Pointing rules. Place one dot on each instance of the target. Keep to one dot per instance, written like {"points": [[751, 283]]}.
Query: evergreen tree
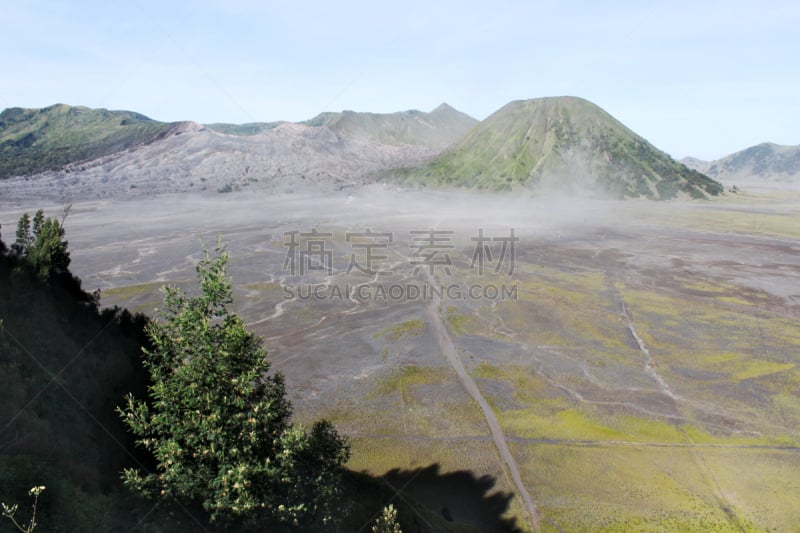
{"points": [[24, 239], [48, 256], [41, 246], [38, 220]]}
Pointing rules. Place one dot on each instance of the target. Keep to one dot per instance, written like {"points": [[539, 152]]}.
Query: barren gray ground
{"points": [[638, 330]]}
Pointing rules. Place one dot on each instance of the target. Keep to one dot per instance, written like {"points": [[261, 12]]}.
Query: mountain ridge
{"points": [[437, 128], [38, 140], [763, 163], [563, 143]]}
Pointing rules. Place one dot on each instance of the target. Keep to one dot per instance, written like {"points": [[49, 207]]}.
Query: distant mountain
{"points": [[36, 140], [561, 143], [763, 163], [438, 129]]}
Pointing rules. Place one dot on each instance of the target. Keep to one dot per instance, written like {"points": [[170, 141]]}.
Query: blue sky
{"points": [[694, 78]]}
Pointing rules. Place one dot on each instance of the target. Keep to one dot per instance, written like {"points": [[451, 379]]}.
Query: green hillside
{"points": [[561, 143], [36, 140]]}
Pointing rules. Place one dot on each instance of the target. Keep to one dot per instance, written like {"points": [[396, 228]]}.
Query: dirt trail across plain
{"points": [[451, 354]]}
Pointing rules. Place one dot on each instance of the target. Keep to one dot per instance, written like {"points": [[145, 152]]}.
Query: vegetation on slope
{"points": [[36, 140], [65, 366], [563, 143]]}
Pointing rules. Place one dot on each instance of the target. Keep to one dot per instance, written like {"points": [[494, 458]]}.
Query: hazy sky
{"points": [[693, 77]]}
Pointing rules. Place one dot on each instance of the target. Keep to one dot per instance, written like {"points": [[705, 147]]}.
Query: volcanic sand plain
{"points": [[639, 360]]}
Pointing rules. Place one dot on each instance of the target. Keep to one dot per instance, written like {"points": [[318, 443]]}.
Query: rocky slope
{"points": [[288, 158], [332, 151]]}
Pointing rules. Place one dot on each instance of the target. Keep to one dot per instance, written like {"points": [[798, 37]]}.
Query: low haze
{"points": [[696, 79]]}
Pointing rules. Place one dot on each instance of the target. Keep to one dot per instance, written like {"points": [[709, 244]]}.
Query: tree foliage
{"points": [[218, 423], [40, 246]]}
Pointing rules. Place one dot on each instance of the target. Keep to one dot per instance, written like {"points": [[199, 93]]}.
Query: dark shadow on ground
{"points": [[460, 498]]}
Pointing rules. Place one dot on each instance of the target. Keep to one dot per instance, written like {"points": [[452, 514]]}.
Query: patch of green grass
{"points": [[725, 293], [700, 435], [128, 292], [528, 387], [555, 422], [762, 486], [755, 368], [621, 489], [566, 424], [408, 375], [459, 323], [139, 298], [409, 328], [377, 456], [485, 370]]}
